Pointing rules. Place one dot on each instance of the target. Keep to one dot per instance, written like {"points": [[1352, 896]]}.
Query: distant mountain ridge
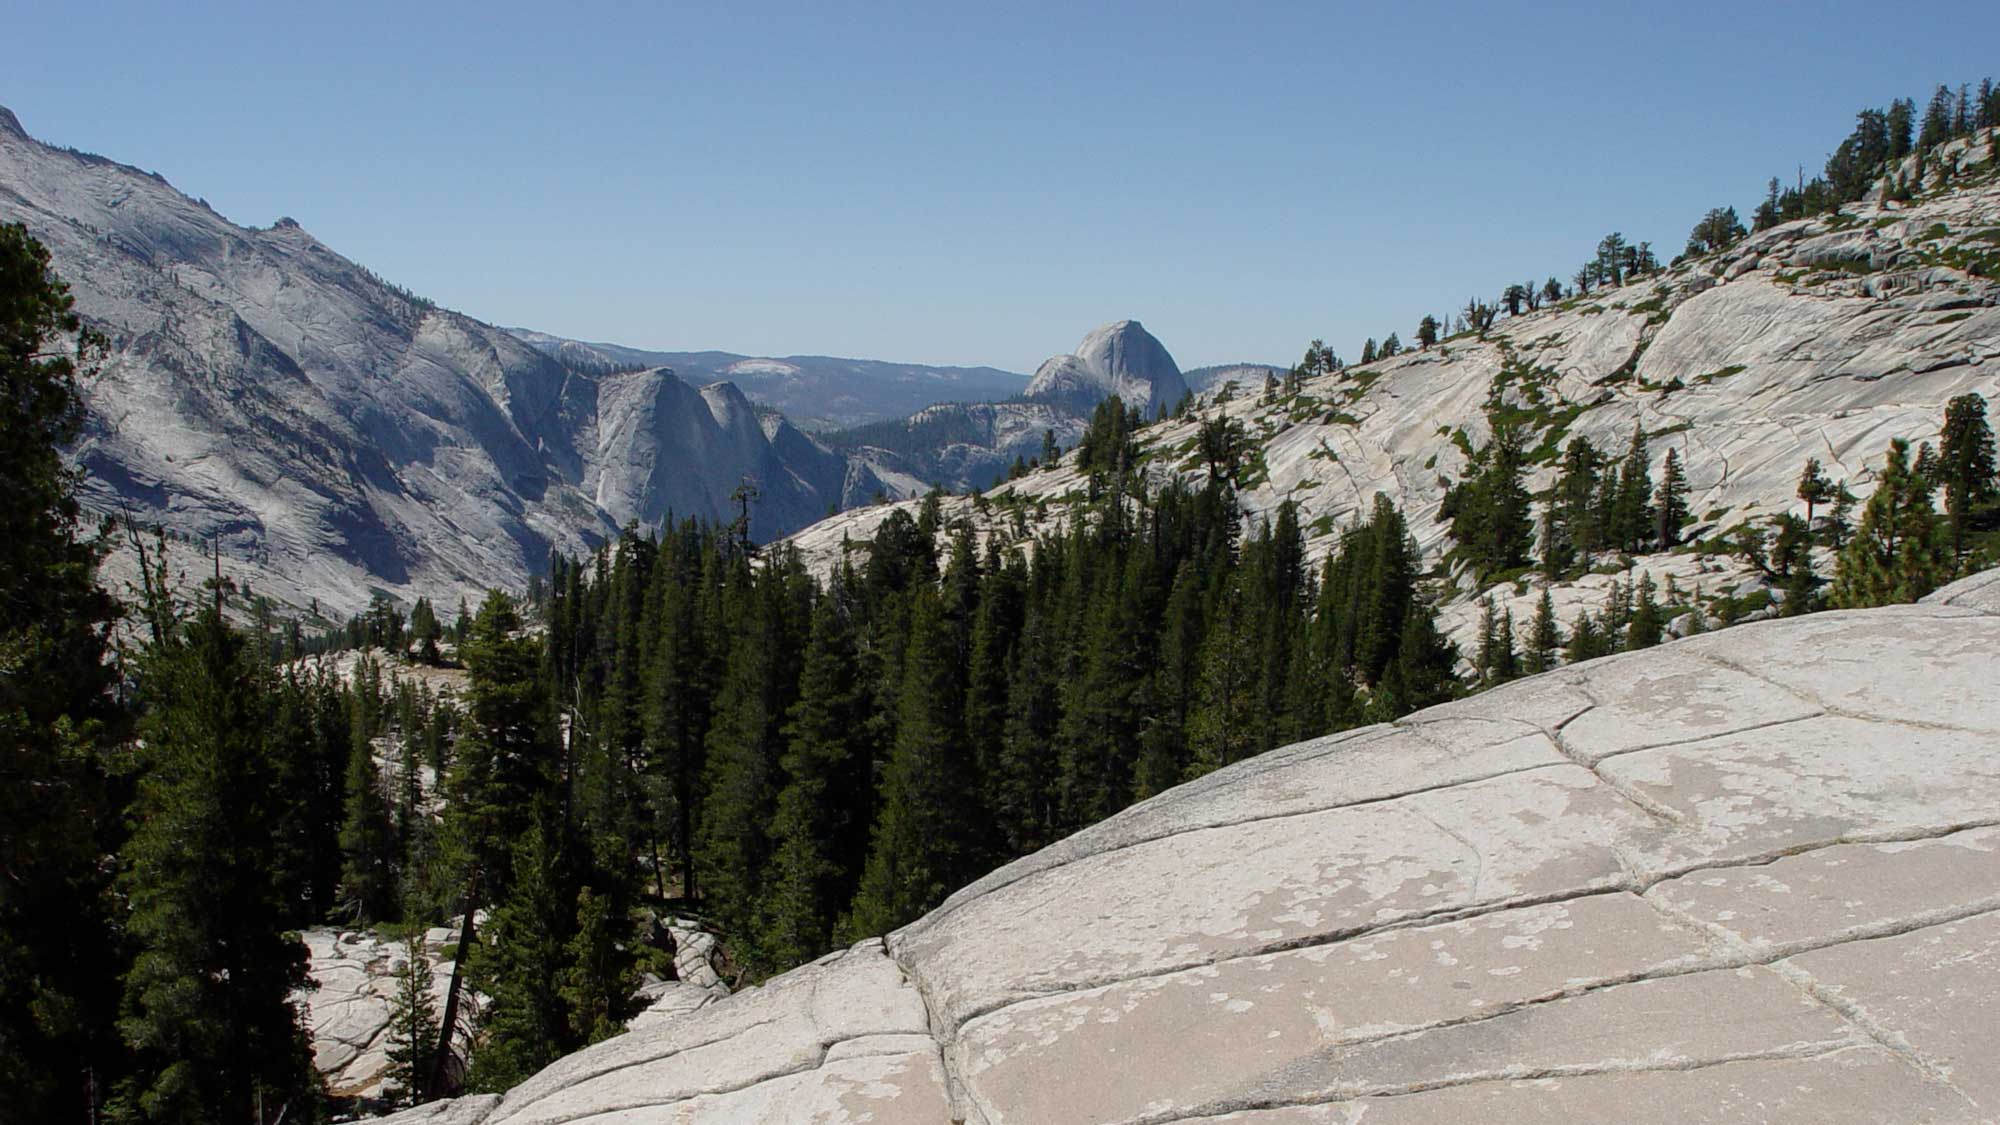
{"points": [[1819, 338], [816, 392], [963, 446], [340, 437]]}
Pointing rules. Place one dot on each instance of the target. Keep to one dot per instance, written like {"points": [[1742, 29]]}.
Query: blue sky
{"points": [[974, 183]]}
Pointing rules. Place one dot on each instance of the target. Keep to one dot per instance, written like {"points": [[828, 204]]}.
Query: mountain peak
{"points": [[10, 124], [1120, 358]]}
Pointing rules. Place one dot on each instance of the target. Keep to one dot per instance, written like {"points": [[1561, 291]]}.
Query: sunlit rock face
{"points": [[1120, 358], [1822, 338], [1749, 876], [338, 436]]}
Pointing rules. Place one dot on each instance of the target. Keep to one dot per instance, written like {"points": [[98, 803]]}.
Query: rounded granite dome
{"points": [[1748, 876], [1120, 358]]}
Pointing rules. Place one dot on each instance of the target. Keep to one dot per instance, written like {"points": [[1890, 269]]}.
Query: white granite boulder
{"points": [[1749, 876]]}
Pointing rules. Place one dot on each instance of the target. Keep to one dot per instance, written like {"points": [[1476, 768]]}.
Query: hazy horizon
{"points": [[974, 189]]}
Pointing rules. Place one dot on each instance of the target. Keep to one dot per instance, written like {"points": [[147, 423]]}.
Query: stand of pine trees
{"points": [[805, 763]]}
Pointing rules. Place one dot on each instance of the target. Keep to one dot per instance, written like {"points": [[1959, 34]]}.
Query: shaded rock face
{"points": [[1753, 875], [1122, 359], [338, 435]]}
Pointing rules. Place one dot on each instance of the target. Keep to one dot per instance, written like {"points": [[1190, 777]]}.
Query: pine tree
{"points": [[1897, 554], [1791, 559], [1587, 640], [1573, 507], [1509, 662], [599, 982], [208, 1007], [1224, 715], [424, 631], [1545, 638], [1901, 126], [367, 844], [1421, 674], [1670, 505], [1163, 752], [507, 755], [745, 742], [920, 851], [1815, 488], [1840, 521], [1632, 511], [57, 810], [523, 960], [1965, 467], [1937, 120], [413, 1023], [820, 833], [1487, 661], [1647, 624]]}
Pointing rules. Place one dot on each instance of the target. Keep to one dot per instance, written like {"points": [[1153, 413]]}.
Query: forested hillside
{"points": [[811, 741]]}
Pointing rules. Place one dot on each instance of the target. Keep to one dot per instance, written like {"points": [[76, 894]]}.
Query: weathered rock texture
{"points": [[355, 975], [356, 978], [338, 435], [1819, 338], [1753, 875]]}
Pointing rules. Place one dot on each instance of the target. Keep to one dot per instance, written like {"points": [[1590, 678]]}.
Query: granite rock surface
{"points": [[1751, 875]]}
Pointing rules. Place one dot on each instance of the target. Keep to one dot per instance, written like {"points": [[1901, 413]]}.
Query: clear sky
{"points": [[974, 183]]}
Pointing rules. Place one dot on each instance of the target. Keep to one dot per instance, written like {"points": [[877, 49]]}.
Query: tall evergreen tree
{"points": [[1648, 623], [599, 982], [1632, 510], [57, 802], [745, 743], [1421, 674], [820, 832], [208, 1009], [413, 1023], [1670, 504], [367, 844], [523, 961], [1965, 467], [1545, 638], [920, 850], [1221, 724]]}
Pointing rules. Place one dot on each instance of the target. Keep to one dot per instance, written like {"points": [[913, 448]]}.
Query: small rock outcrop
{"points": [[356, 975], [1752, 875]]}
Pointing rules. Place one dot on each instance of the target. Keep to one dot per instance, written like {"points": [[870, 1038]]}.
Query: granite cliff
{"points": [[339, 436]]}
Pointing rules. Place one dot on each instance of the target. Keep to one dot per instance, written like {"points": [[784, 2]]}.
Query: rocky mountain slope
{"points": [[1699, 882], [339, 436], [815, 392], [1821, 338], [1246, 377]]}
